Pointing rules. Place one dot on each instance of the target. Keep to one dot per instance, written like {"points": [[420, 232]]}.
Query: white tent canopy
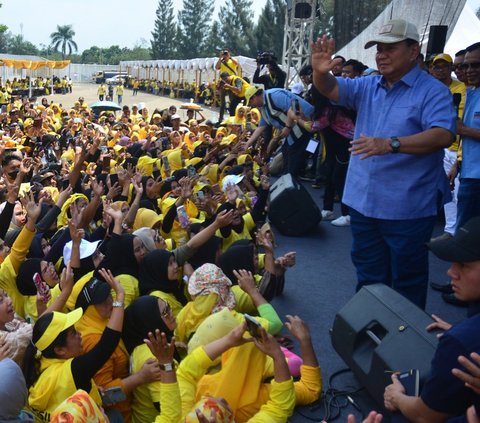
{"points": [[465, 33], [422, 13]]}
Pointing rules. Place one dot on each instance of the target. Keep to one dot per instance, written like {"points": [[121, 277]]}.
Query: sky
{"points": [[95, 22], [102, 23]]}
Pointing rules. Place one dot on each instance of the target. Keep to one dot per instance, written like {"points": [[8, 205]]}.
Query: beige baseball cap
{"points": [[394, 31]]}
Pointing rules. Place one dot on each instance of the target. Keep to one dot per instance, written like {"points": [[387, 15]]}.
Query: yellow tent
{"points": [[32, 63]]}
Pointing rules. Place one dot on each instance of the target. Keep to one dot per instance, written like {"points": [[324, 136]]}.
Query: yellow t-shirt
{"points": [[144, 396], [232, 68], [457, 87], [248, 225]]}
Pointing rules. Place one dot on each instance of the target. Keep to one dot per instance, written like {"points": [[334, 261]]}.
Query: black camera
{"points": [[266, 58]]}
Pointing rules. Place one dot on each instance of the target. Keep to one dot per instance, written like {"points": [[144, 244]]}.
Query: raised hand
{"points": [[67, 279], [322, 52], [97, 188], [75, 234], [224, 218], [33, 209], [160, 347], [114, 190], [245, 280], [63, 196], [108, 277], [298, 328], [267, 343], [12, 190]]}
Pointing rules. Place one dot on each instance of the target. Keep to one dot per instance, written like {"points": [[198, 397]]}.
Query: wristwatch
{"points": [[395, 144], [167, 367], [117, 304]]}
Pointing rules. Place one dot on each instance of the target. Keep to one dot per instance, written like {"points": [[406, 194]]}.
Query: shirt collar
{"points": [[408, 79]]}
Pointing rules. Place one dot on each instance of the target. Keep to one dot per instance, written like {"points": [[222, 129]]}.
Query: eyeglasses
{"points": [[466, 66], [167, 311]]}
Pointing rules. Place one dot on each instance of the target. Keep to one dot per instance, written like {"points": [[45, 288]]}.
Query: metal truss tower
{"points": [[299, 22]]}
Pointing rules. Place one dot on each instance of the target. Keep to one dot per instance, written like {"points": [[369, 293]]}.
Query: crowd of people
{"points": [[138, 264]]}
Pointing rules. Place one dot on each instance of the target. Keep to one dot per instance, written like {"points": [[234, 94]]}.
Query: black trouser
{"points": [[295, 155], [336, 165], [234, 102]]}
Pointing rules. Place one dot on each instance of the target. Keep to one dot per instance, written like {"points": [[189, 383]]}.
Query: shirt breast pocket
{"points": [[404, 120]]}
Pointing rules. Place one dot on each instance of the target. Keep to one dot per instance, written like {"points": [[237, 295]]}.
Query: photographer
{"points": [[226, 64], [275, 78]]}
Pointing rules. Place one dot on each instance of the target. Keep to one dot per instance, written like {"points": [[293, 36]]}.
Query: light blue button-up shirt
{"points": [[397, 186], [471, 146]]}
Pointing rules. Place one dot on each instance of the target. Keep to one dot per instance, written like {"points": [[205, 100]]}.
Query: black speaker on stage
{"points": [[303, 10], [292, 209], [437, 38], [379, 331]]}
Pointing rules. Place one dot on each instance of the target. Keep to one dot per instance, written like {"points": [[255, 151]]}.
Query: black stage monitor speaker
{"points": [[292, 209], [437, 38], [303, 11], [379, 331]]}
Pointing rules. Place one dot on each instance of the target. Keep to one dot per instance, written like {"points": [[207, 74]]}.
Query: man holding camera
{"points": [[226, 64], [275, 78]]}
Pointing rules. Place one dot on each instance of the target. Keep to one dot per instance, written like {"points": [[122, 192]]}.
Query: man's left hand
{"points": [[370, 146], [391, 394], [285, 132]]}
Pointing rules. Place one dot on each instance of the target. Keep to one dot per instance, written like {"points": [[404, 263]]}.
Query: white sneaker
{"points": [[341, 221], [327, 215]]}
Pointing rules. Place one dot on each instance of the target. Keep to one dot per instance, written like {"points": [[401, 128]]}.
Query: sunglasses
{"points": [[167, 311], [466, 66]]}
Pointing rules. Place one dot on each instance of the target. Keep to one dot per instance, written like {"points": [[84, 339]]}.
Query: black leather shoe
{"points": [[451, 299], [442, 287]]}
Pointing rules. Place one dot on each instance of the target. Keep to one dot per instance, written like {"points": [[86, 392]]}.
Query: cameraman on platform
{"points": [[275, 78], [226, 64]]}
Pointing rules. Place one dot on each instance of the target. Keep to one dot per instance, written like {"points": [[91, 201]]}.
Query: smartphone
{"points": [[111, 396], [166, 164], [65, 184], [42, 288], [200, 195], [253, 326], [113, 179], [296, 106], [106, 164], [191, 170], [104, 149]]}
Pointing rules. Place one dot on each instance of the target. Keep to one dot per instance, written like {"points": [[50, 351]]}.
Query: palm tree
{"points": [[63, 38]]}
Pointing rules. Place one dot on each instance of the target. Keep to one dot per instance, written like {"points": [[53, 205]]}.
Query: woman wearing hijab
{"points": [[97, 303], [13, 393], [125, 253], [211, 292], [159, 269], [64, 367], [144, 315]]}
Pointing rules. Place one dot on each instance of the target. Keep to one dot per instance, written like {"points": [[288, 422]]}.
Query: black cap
{"points": [[464, 246], [95, 291]]}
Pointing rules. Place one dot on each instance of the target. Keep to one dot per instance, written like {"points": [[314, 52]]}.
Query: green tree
{"points": [[62, 39], [162, 41], [236, 27], [351, 17], [193, 28], [3, 38], [271, 27], [18, 45], [214, 42]]}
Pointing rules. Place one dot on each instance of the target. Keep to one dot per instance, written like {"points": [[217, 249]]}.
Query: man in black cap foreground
{"points": [[443, 395]]}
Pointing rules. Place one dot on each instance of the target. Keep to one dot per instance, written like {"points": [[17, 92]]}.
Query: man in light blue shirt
{"points": [[469, 190], [273, 105], [395, 182]]}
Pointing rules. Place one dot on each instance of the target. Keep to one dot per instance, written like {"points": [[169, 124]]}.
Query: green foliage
{"points": [[236, 27], [162, 42], [62, 39], [271, 27], [214, 42], [193, 25], [351, 17], [114, 54], [18, 45]]}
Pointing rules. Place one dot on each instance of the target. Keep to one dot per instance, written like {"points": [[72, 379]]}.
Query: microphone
{"points": [[457, 98]]}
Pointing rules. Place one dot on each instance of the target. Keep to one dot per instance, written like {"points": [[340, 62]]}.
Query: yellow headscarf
{"points": [[62, 218]]}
